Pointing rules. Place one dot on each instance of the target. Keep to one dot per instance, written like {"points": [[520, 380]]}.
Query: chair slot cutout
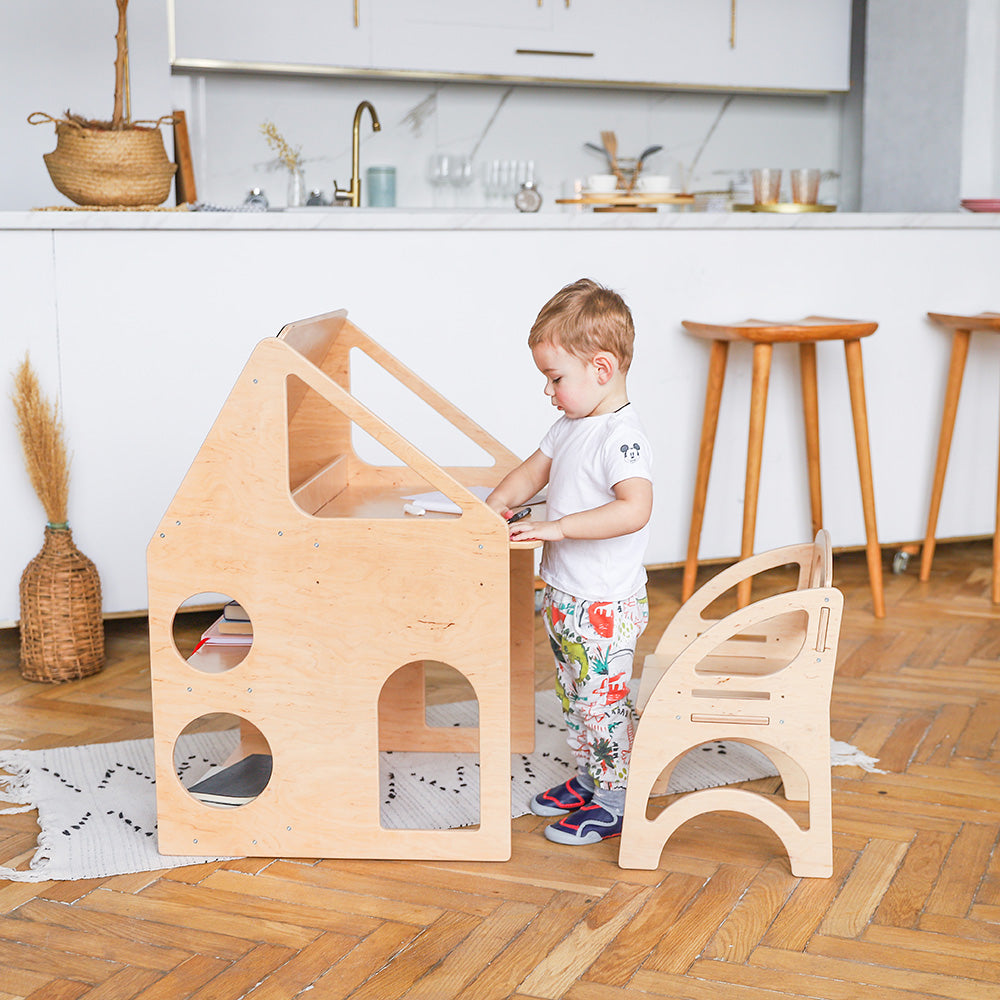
{"points": [[730, 695]]}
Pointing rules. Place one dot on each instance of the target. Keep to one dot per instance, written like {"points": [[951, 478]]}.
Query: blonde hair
{"points": [[585, 318]]}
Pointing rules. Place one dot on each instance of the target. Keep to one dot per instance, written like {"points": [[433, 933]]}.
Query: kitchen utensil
{"points": [[637, 169], [597, 149], [610, 141]]}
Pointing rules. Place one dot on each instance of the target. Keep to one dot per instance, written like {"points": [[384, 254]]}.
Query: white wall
{"points": [[56, 56]]}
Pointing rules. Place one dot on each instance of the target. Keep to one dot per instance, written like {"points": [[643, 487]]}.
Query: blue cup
{"points": [[380, 185]]}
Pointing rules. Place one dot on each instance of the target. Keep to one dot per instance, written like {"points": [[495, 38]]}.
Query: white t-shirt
{"points": [[590, 455]]}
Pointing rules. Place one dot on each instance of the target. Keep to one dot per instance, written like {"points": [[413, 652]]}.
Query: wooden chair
{"points": [[762, 676], [764, 335], [962, 328]]}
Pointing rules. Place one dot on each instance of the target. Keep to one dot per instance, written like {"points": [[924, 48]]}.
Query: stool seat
{"points": [[978, 321], [962, 328], [762, 331], [763, 335]]}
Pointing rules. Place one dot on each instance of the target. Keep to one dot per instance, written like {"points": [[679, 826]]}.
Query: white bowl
{"points": [[602, 183], [653, 184]]}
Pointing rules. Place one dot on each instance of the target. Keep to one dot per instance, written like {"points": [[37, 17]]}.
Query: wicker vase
{"points": [[62, 631]]}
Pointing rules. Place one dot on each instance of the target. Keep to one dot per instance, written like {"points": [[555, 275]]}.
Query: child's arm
{"points": [[628, 512], [520, 484]]}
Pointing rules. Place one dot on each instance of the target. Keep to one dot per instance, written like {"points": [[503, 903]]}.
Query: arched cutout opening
{"points": [[767, 583], [761, 650], [713, 764], [428, 723], [222, 761], [212, 632]]}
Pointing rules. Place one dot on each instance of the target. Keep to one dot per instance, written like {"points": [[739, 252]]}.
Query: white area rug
{"points": [[97, 804]]}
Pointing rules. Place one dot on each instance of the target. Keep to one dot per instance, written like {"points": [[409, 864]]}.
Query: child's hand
{"points": [[540, 531]]}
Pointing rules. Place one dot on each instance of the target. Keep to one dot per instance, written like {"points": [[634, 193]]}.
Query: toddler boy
{"points": [[597, 463]]}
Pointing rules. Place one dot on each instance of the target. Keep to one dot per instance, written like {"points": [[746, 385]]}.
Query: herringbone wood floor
{"points": [[912, 911]]}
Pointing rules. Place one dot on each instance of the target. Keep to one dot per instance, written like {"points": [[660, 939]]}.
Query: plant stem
{"points": [[121, 58]]}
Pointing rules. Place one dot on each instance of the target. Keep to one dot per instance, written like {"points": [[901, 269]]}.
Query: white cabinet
{"points": [[294, 32], [754, 44], [733, 44]]}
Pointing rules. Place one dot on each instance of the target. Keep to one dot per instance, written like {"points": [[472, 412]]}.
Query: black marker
{"points": [[520, 514]]}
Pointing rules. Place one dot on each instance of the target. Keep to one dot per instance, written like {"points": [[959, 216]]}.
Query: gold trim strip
{"points": [[360, 73]]}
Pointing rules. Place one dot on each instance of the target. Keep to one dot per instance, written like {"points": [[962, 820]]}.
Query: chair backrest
{"points": [[771, 642]]}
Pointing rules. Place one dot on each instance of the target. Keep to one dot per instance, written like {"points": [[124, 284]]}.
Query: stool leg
{"points": [[713, 397], [995, 589], [755, 448], [956, 370], [856, 383], [810, 409]]}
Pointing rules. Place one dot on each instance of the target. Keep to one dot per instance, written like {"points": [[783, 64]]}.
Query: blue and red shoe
{"points": [[564, 798], [589, 825]]}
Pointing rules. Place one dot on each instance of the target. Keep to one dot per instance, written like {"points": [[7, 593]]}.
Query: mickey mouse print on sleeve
{"points": [[628, 455]]}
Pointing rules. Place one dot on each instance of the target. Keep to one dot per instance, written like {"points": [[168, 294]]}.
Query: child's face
{"points": [[572, 384]]}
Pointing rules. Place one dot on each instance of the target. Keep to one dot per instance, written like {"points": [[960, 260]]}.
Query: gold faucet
{"points": [[353, 193]]}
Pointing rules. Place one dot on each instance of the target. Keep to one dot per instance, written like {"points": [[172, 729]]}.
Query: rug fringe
{"points": [[844, 754], [15, 786]]}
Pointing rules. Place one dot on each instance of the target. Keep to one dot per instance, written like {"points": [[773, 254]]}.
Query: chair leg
{"points": [[956, 370], [856, 383], [713, 397], [810, 410], [755, 448]]}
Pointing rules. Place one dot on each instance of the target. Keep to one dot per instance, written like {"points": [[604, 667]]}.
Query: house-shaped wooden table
{"points": [[348, 596]]}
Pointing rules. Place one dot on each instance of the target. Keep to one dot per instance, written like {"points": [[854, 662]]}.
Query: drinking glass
{"points": [[805, 185], [766, 185]]}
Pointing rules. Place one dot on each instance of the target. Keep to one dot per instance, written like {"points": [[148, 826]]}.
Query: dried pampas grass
{"points": [[40, 429]]}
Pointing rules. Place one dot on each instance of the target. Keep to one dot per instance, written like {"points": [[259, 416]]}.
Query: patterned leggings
{"points": [[594, 644]]}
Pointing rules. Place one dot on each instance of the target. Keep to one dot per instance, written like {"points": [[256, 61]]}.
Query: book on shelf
{"points": [[236, 784], [215, 636], [227, 627], [235, 612]]}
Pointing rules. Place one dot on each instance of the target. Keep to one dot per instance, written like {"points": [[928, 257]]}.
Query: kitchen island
{"points": [[141, 321]]}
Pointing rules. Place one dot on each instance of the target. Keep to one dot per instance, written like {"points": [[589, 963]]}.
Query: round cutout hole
{"points": [[212, 632], [222, 761]]}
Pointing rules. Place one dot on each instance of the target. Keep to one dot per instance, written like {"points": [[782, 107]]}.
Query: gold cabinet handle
{"points": [[357, 15], [732, 24]]}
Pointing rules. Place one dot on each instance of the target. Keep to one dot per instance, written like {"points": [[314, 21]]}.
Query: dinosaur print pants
{"points": [[594, 645]]}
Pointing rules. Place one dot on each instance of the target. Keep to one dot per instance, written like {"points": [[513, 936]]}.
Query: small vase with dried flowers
{"points": [[291, 159], [62, 631]]}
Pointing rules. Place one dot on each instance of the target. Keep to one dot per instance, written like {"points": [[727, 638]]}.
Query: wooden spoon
{"points": [[610, 141]]}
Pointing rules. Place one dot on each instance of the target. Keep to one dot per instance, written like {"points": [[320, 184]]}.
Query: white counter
{"points": [[142, 321], [571, 218]]}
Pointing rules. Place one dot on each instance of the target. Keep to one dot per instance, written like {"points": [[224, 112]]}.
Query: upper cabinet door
{"points": [[294, 32], [790, 45], [479, 37]]}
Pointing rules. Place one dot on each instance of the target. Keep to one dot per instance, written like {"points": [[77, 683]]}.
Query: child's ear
{"points": [[606, 366]]}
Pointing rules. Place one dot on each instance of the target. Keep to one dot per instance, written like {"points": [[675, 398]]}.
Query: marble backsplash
{"points": [[707, 138]]}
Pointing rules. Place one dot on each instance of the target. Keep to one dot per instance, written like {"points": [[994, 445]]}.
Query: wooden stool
{"points": [[763, 335], [961, 327]]}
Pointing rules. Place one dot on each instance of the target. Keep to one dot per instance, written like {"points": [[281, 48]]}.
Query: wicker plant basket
{"points": [[62, 631], [107, 167]]}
